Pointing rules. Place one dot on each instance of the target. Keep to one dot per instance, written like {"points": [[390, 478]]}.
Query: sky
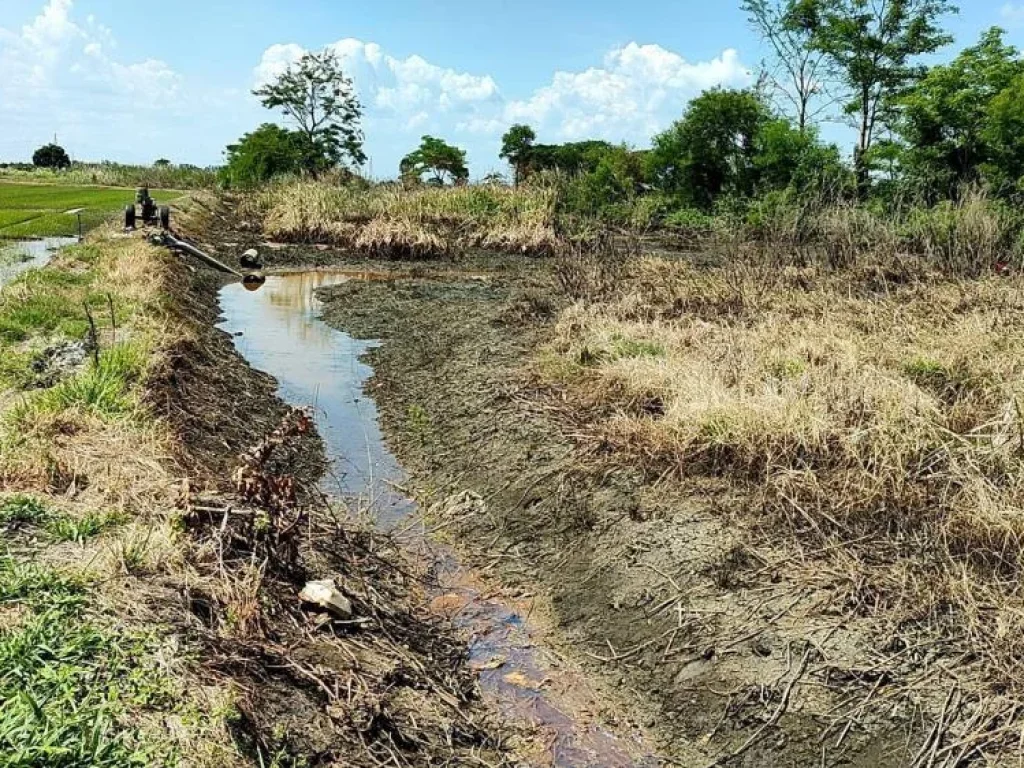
{"points": [[133, 81]]}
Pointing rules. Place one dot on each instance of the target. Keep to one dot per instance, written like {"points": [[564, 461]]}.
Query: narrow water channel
{"points": [[20, 256], [279, 331]]}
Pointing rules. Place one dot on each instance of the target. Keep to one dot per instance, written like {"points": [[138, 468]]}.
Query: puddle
{"points": [[19, 256], [278, 330]]}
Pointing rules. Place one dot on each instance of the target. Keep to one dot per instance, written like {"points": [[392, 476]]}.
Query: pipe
{"points": [[164, 238]]}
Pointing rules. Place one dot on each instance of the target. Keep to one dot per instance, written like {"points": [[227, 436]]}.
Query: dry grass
{"points": [[392, 221], [97, 468], [878, 405]]}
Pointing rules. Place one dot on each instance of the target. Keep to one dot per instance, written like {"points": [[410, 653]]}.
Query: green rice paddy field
{"points": [[43, 210]]}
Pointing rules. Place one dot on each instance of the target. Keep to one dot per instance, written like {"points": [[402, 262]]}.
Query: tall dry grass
{"points": [[118, 175], [878, 405], [422, 222]]}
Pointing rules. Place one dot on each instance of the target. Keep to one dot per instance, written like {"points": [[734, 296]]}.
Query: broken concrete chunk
{"points": [[326, 595]]}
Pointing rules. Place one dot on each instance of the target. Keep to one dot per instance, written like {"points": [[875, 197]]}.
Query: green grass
{"points": [[59, 527], [68, 684], [22, 509], [40, 210]]}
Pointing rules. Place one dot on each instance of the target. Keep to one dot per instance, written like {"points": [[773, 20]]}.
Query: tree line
{"points": [[919, 131]]}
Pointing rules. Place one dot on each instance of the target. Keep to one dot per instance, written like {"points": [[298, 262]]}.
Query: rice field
{"points": [[30, 211]]}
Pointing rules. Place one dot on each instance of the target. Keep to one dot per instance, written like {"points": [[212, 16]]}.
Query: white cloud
{"points": [[1013, 14], [638, 90], [410, 91], [60, 75]]}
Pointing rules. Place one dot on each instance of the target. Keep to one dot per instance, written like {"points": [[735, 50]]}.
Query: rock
{"points": [[327, 596], [58, 361]]}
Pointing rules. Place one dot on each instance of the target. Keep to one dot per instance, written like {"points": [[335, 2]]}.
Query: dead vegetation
{"points": [[868, 405], [392, 222]]}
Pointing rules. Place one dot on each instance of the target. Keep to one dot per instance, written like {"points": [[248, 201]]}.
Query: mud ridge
{"points": [[691, 619], [389, 684]]}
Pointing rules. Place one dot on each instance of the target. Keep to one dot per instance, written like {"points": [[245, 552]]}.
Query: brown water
{"points": [[279, 331]]}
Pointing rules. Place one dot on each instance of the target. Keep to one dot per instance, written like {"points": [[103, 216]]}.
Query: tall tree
{"points": [[944, 118], [798, 72], [873, 45], [51, 156], [435, 156], [710, 151], [515, 148], [315, 94]]}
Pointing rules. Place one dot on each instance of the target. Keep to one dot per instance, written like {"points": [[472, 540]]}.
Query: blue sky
{"points": [[116, 82]]}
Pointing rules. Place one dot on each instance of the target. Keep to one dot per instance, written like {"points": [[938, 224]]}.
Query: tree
{"points": [[799, 73], [710, 151], [1004, 137], [162, 163], [259, 156], [315, 94], [872, 45], [51, 156], [442, 160], [515, 148], [943, 119], [787, 157]]}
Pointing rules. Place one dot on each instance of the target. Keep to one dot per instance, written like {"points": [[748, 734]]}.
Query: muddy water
{"points": [[17, 257], [278, 330]]}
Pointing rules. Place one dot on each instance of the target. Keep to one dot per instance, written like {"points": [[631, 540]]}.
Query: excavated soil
{"points": [[730, 647], [388, 685]]}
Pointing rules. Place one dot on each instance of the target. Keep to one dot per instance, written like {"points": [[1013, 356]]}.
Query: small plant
{"points": [[419, 424], [22, 509], [787, 368], [79, 529]]}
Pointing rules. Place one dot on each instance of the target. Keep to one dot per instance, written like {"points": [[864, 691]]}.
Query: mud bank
{"points": [[696, 628], [388, 684]]}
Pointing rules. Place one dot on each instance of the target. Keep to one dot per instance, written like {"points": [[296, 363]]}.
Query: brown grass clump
{"points": [[878, 405], [417, 223]]}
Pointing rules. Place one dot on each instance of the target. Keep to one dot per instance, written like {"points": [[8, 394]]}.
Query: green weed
{"points": [[22, 509], [66, 683], [80, 529]]}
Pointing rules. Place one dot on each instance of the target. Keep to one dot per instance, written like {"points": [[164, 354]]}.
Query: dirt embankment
{"points": [[734, 648], [388, 684]]}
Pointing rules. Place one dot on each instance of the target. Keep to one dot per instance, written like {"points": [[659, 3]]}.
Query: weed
{"points": [[65, 682], [79, 529], [419, 424], [22, 509]]}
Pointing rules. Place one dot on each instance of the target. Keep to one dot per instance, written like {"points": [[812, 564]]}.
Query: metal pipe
{"points": [[170, 241]]}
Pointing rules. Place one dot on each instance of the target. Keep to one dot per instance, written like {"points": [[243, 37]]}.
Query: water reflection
{"points": [[318, 367], [17, 257]]}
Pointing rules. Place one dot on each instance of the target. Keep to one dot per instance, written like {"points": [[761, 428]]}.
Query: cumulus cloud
{"points": [[637, 91], [409, 91]]}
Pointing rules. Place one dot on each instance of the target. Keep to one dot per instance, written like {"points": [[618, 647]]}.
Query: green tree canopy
{"points": [[259, 156], [1003, 135], [320, 100], [710, 151], [51, 156], [944, 118], [444, 162], [515, 148], [873, 46]]}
